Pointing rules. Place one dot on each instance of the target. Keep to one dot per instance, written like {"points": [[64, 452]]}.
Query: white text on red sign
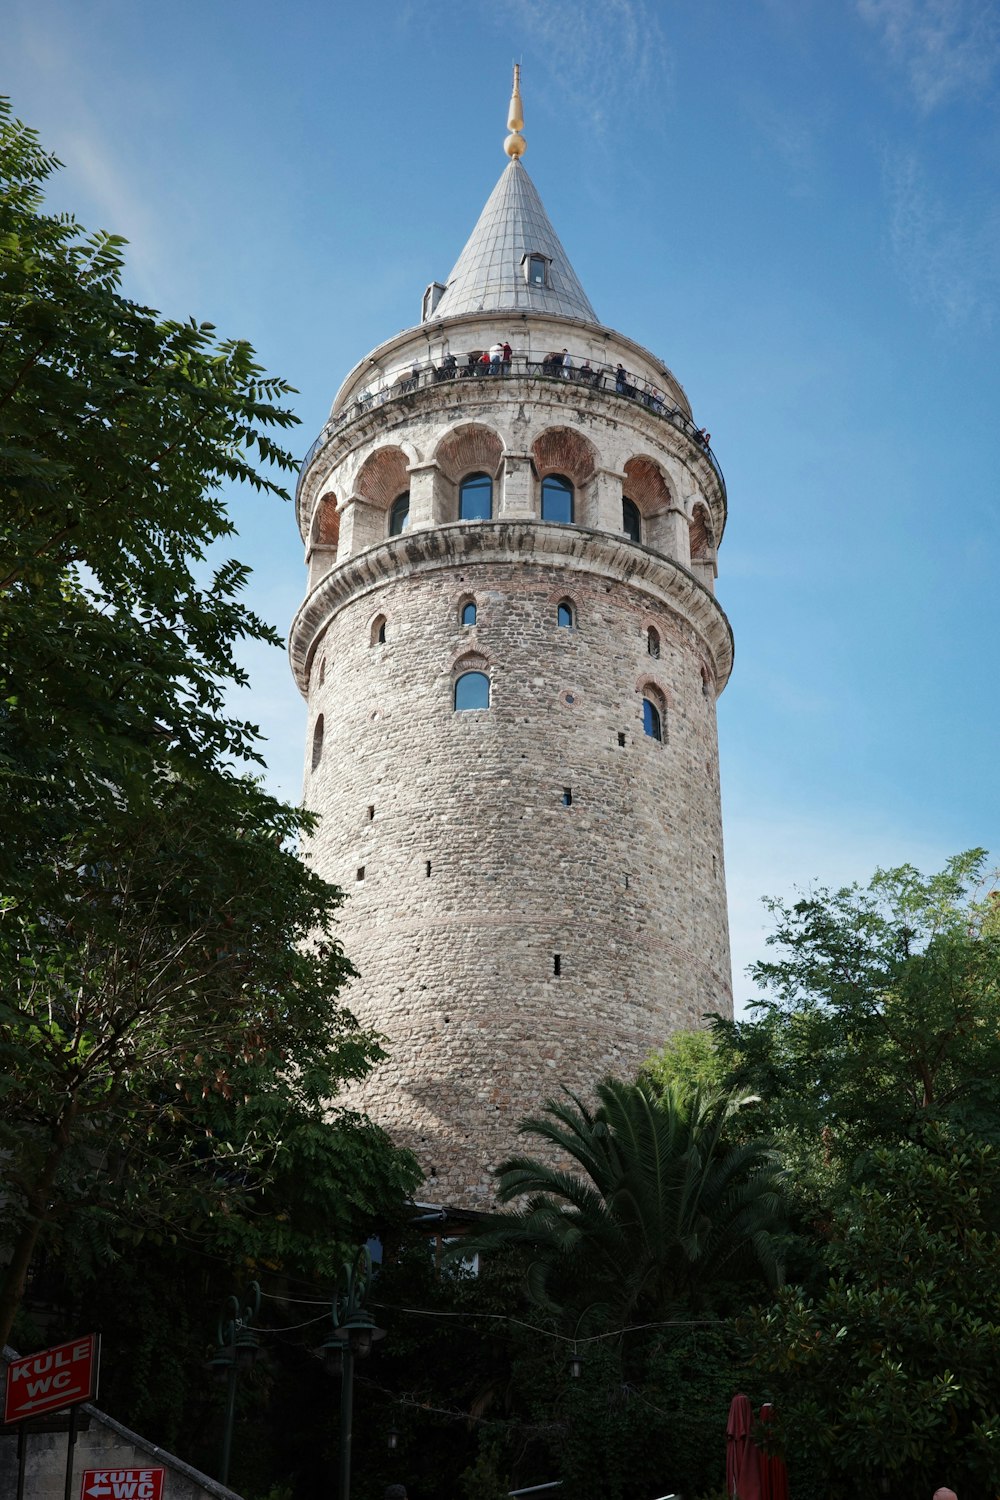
{"points": [[122, 1484]]}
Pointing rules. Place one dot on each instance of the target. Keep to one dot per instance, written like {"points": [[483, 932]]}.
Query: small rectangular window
{"points": [[567, 796], [371, 813], [557, 964], [427, 867], [361, 872], [621, 736]]}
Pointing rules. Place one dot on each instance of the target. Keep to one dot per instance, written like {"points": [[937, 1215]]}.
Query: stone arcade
{"points": [[511, 653]]}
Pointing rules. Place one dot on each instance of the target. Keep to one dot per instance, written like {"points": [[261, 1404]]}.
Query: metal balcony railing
{"points": [[553, 367]]}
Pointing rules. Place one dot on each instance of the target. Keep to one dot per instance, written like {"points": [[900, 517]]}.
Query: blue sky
{"points": [[794, 203]]}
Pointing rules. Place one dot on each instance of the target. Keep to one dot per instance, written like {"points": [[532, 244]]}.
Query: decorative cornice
{"points": [[458, 543]]}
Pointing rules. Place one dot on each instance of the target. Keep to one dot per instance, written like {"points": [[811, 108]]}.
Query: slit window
{"points": [[361, 872], [652, 721], [631, 521], [317, 750], [653, 641], [475, 498], [557, 964], [468, 614], [472, 690], [557, 500], [621, 736], [399, 515], [564, 615], [567, 796]]}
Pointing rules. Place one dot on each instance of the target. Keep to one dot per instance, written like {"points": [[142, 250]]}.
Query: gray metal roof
{"points": [[489, 274]]}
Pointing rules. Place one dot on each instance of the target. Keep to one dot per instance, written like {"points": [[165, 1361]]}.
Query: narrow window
{"points": [[322, 672], [557, 964], [626, 882], [378, 630], [567, 796], [651, 721], [317, 755], [631, 521], [427, 867], [472, 690], [475, 498], [557, 500], [371, 813], [621, 737], [564, 615], [361, 872], [469, 613], [399, 515], [653, 641]]}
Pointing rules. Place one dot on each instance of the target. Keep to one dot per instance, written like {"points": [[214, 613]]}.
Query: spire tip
{"points": [[515, 145]]}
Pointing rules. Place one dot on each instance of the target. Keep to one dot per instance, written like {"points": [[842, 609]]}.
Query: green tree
{"points": [[654, 1207], [169, 1024], [886, 1378], [881, 1017]]}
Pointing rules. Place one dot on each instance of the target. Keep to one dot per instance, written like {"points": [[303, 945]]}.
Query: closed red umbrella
{"points": [[742, 1458], [773, 1474]]}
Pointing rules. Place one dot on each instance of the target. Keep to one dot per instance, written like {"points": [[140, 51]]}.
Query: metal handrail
{"points": [[421, 374]]}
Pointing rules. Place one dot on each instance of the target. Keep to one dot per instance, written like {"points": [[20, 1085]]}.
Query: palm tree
{"points": [[657, 1207]]}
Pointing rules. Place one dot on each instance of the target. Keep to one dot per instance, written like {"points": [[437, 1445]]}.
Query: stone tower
{"points": [[511, 650]]}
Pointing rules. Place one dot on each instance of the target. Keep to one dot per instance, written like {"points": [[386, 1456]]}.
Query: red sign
{"points": [[52, 1379], [123, 1484]]}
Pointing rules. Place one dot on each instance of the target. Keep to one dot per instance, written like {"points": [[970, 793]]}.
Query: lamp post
{"points": [[352, 1336], [236, 1349]]}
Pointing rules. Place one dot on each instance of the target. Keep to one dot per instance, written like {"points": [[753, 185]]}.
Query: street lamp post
{"points": [[236, 1349], [353, 1334]]}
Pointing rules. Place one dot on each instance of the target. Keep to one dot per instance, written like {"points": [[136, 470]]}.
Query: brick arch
{"points": [[560, 450], [470, 661], [647, 686], [702, 535], [646, 487], [467, 449], [326, 521], [383, 475]]}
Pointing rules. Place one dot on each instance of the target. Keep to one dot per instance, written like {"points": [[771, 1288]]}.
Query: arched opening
{"points": [[647, 490], [399, 514], [653, 641], [631, 520], [702, 538], [378, 631], [566, 615], [652, 721], [557, 499], [467, 612], [317, 745], [472, 690], [475, 498]]}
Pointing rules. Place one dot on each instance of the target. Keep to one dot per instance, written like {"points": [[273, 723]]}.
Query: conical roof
{"points": [[489, 275]]}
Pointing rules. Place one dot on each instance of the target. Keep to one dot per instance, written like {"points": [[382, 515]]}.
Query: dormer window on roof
{"points": [[536, 269]]}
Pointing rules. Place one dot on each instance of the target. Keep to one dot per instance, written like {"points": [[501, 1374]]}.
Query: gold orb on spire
{"points": [[515, 145]]}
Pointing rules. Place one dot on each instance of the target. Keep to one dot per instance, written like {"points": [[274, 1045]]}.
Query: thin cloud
{"points": [[945, 49], [949, 261], [611, 55], [791, 144]]}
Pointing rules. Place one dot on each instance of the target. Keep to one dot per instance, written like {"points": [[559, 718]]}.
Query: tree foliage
{"points": [[653, 1208], [169, 1024]]}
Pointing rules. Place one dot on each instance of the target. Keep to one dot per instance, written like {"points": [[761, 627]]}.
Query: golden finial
{"points": [[515, 145]]}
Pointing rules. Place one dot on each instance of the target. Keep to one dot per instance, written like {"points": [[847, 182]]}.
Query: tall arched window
{"points": [[632, 520], [651, 721], [317, 754], [475, 498], [467, 614], [564, 615], [472, 690], [557, 500], [399, 515], [653, 641]]}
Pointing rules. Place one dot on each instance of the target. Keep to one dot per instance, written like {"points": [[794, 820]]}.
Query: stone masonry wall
{"points": [[467, 873]]}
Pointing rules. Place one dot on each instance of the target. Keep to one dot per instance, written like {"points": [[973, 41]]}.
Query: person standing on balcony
{"points": [[567, 364], [496, 355], [508, 355], [621, 379]]}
